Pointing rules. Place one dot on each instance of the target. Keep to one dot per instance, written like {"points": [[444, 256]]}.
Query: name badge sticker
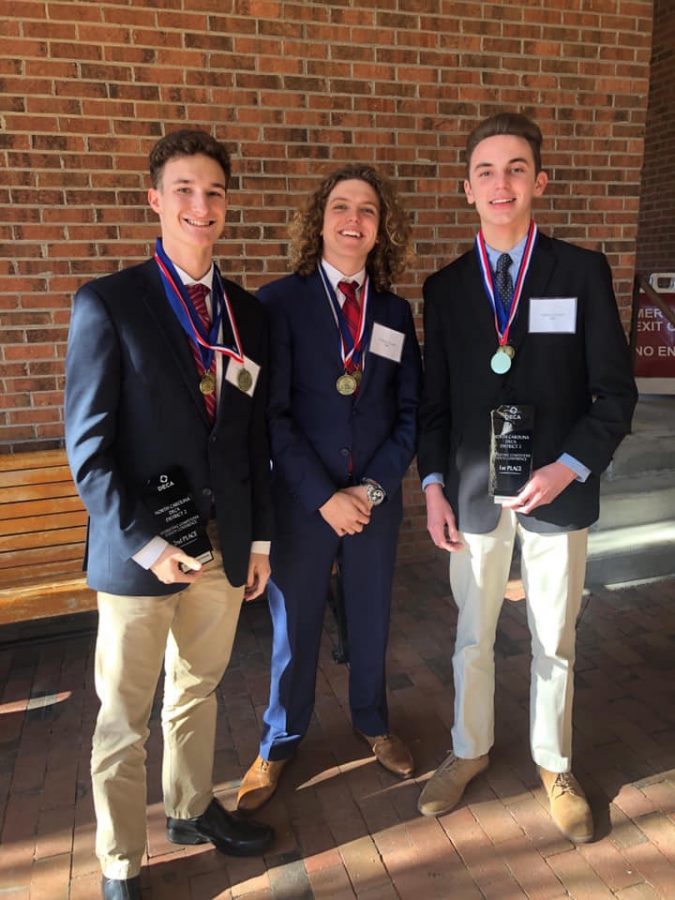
{"points": [[553, 315], [387, 342], [243, 375]]}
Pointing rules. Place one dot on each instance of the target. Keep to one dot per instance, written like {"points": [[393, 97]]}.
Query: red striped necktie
{"points": [[198, 293], [350, 308]]}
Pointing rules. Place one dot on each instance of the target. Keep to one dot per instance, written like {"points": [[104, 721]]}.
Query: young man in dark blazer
{"points": [[344, 383], [521, 330], [166, 383]]}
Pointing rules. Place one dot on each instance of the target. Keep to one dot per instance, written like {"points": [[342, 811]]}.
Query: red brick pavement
{"points": [[345, 827]]}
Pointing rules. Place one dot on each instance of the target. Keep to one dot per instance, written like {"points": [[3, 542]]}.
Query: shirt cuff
{"points": [[147, 556], [579, 469], [434, 478], [261, 547]]}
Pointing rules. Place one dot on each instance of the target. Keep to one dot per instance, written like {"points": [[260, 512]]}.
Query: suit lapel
{"points": [[320, 315], [475, 299], [536, 284], [376, 313], [172, 333]]}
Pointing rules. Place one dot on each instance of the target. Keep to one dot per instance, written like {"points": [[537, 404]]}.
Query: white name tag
{"points": [[386, 342], [235, 374], [553, 315]]}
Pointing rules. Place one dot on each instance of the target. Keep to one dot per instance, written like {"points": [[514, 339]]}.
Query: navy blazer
{"points": [[133, 409], [580, 384], [314, 430]]}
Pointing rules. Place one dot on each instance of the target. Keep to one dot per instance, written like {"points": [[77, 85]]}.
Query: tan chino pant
{"points": [[553, 570], [193, 632]]}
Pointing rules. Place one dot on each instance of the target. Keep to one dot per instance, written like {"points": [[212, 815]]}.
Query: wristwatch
{"points": [[374, 491]]}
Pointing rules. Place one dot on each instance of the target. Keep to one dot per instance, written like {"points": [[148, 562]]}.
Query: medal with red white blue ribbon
{"points": [[351, 349], [190, 321], [500, 363]]}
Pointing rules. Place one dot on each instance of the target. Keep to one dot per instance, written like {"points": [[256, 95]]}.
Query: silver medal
{"points": [[500, 362]]}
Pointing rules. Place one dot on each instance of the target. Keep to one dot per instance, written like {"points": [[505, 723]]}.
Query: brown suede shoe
{"points": [[259, 783], [568, 804], [391, 752], [444, 789]]}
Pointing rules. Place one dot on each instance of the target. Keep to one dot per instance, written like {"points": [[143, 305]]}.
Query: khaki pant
{"points": [[553, 569], [193, 632]]}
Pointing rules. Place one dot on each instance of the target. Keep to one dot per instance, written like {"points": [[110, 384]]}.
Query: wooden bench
{"points": [[42, 533]]}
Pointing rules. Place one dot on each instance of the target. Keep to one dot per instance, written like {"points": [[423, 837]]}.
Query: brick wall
{"points": [[294, 88], [656, 233]]}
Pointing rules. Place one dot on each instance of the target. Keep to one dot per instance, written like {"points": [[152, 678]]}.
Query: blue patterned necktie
{"points": [[503, 280]]}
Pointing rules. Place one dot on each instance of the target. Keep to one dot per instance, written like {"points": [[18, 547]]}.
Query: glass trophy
{"points": [[510, 450], [168, 497]]}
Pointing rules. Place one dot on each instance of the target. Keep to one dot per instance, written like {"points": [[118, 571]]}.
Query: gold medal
{"points": [[244, 380], [346, 384], [508, 349], [208, 383], [357, 375]]}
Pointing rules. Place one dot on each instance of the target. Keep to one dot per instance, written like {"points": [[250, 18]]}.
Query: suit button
{"points": [[207, 492], [213, 439], [345, 451]]}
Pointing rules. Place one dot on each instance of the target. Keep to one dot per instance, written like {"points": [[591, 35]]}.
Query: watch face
{"points": [[375, 494]]}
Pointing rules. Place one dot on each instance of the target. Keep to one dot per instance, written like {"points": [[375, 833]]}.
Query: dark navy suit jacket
{"points": [[580, 383], [314, 431], [133, 409]]}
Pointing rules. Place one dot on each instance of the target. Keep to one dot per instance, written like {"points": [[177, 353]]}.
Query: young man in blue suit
{"points": [[522, 332], [166, 383], [345, 372]]}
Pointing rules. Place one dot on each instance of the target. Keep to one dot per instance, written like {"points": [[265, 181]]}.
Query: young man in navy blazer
{"points": [[520, 326], [166, 383], [345, 373]]}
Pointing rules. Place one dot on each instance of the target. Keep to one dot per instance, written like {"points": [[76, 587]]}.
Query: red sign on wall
{"points": [[654, 357]]}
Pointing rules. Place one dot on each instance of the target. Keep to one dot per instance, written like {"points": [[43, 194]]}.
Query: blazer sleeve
{"points": [[299, 465], [435, 416], [390, 461], [611, 385], [92, 392]]}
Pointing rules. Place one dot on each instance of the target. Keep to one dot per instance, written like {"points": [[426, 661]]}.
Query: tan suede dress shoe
{"points": [[259, 783], [391, 752], [444, 789], [568, 804]]}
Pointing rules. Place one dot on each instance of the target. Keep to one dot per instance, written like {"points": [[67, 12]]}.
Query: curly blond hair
{"points": [[392, 252]]}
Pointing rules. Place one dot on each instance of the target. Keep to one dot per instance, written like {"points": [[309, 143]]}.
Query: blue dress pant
{"points": [[301, 559]]}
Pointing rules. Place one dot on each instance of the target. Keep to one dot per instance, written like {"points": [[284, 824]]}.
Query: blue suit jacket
{"points": [[314, 431], [133, 409]]}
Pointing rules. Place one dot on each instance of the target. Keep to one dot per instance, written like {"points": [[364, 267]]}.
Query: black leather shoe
{"points": [[229, 834], [121, 888]]}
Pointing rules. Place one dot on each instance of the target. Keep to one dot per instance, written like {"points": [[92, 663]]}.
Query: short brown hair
{"points": [[187, 142], [507, 123], [390, 255]]}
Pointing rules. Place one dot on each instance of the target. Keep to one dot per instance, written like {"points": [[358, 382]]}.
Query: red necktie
{"points": [[351, 310], [198, 293]]}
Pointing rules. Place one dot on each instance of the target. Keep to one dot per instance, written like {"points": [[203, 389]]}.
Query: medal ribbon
{"points": [[502, 320], [188, 317], [351, 349]]}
